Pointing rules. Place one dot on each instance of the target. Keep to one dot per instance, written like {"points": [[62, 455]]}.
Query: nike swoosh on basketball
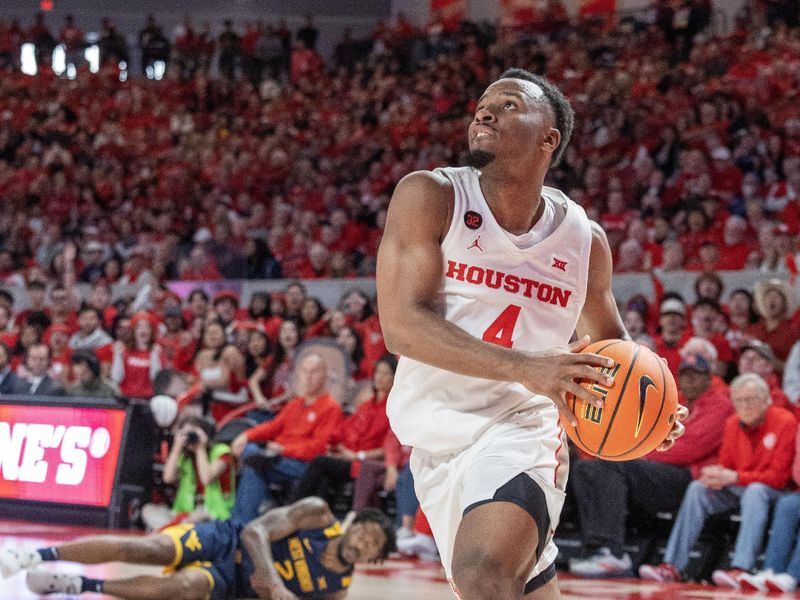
{"points": [[644, 383]]}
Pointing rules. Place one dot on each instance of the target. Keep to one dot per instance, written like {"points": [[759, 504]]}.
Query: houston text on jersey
{"points": [[513, 284]]}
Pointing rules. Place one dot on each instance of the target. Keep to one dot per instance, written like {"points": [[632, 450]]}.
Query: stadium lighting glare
{"points": [[27, 59], [92, 56], [59, 60], [159, 68]]}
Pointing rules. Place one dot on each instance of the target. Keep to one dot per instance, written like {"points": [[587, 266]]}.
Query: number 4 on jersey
{"points": [[501, 331]]}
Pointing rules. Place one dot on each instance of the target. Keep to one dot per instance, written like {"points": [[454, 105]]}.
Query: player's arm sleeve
{"points": [[600, 318]]}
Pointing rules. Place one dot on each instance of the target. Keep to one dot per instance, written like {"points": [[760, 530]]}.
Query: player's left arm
{"points": [[600, 318], [278, 523]]}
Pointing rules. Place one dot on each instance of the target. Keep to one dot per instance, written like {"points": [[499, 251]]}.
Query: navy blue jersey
{"points": [[297, 560], [215, 548]]}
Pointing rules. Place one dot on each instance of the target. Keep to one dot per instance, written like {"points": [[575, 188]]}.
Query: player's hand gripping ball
{"points": [[639, 408]]}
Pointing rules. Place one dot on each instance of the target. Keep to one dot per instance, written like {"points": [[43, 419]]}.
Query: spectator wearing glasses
{"points": [[38, 382], [754, 467]]}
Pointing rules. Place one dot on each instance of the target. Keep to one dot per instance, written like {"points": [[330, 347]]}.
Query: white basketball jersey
{"points": [[527, 298]]}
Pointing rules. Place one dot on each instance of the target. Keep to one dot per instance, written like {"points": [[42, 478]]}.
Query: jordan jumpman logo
{"points": [[476, 244]]}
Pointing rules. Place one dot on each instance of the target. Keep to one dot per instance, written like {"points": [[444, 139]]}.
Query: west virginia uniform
{"points": [[214, 548]]}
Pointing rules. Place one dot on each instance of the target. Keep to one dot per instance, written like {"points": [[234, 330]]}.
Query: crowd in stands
{"points": [[686, 150]]}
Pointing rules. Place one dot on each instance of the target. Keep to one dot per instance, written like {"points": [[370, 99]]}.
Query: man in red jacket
{"points": [[655, 483], [301, 431], [754, 466], [757, 357]]}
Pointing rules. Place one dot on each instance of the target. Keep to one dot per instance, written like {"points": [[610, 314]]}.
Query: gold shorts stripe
{"points": [[175, 533]]}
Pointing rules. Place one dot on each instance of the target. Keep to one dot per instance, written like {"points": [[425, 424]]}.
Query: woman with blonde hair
{"points": [[774, 304]]}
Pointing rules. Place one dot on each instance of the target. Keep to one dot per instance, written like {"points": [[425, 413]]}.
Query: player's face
{"points": [[512, 115], [362, 542]]}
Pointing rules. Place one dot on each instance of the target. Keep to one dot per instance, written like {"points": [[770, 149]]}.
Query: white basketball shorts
{"points": [[530, 441]]}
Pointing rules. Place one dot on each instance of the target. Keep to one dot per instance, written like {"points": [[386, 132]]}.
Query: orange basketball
{"points": [[639, 407]]}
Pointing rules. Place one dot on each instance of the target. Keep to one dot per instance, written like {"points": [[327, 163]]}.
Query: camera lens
{"points": [[192, 437]]}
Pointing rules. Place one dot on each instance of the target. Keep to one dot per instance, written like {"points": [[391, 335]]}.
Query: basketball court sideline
{"points": [[393, 580]]}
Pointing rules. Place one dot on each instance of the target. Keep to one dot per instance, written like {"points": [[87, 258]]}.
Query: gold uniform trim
{"points": [[175, 533]]}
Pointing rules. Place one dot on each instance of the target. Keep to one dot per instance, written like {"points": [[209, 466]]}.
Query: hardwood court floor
{"points": [[394, 580]]}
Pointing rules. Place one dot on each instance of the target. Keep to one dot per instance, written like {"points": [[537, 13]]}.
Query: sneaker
{"points": [[14, 560], [728, 578], [422, 546], [602, 564], [755, 582], [664, 573], [780, 582], [48, 582]]}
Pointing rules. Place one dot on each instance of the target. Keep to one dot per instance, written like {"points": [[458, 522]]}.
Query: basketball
{"points": [[639, 408]]}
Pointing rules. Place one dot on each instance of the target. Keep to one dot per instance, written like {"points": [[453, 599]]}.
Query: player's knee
{"points": [[482, 576]]}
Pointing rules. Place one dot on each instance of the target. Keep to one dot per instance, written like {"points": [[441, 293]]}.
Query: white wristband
{"points": [[361, 455]]}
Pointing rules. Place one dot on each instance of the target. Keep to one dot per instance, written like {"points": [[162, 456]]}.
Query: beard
{"points": [[478, 159]]}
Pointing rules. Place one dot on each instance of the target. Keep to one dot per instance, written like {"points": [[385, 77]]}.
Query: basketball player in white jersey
{"points": [[484, 275]]}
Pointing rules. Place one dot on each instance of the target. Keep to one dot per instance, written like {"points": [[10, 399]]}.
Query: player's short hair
{"points": [[373, 515], [562, 109]]}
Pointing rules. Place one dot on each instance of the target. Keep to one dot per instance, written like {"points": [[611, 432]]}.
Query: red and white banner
{"points": [[597, 7], [449, 12], [59, 454]]}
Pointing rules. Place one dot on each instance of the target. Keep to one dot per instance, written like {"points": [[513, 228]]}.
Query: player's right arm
{"points": [[276, 524], [409, 275]]}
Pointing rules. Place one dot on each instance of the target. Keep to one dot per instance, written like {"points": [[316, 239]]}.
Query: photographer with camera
{"points": [[203, 473]]}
